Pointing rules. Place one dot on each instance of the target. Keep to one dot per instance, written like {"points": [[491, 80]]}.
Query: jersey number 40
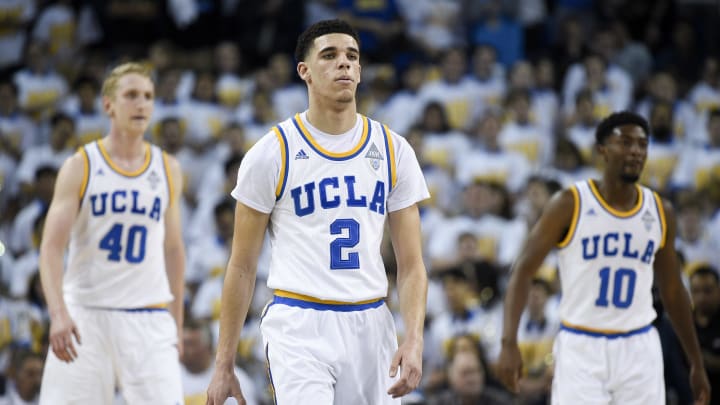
{"points": [[134, 245]]}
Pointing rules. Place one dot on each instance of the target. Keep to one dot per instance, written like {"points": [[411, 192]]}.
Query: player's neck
{"points": [[333, 120], [618, 194], [124, 146]]}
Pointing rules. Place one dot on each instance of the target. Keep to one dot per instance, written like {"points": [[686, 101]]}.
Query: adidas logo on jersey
{"points": [[590, 212], [301, 155], [374, 153], [100, 172]]}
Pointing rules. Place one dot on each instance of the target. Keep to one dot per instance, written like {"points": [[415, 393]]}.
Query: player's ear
{"points": [[303, 71], [107, 105]]}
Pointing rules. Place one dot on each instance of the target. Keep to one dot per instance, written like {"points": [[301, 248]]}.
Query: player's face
{"points": [[132, 104], [332, 68], [625, 152]]}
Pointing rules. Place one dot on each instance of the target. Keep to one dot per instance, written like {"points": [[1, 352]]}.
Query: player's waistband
{"points": [[609, 334], [148, 308], [305, 301]]}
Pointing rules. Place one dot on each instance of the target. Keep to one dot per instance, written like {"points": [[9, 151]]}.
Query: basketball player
{"points": [[614, 237], [324, 182], [116, 310]]}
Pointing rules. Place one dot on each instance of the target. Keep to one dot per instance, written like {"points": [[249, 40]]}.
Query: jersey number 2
{"points": [[619, 299], [134, 248], [353, 238]]}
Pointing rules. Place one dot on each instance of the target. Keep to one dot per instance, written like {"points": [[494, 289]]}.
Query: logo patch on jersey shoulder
{"points": [[301, 155], [375, 156], [153, 179], [590, 212], [648, 220]]}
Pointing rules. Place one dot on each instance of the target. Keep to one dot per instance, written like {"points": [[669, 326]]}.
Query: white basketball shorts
{"points": [[620, 369], [135, 348], [325, 354]]}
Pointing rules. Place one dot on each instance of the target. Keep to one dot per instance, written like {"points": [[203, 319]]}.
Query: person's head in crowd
{"points": [[538, 192], [168, 80], [465, 342], [415, 137], [663, 87], [204, 90], [545, 73], [595, 68], [37, 230], [232, 165], [518, 105], [87, 90], [604, 42], [467, 247], [705, 290], [522, 75], [713, 127], [690, 218], [585, 107], [453, 65], [540, 291], [487, 130], [467, 374], [661, 122], [484, 59], [233, 134], [413, 76], [711, 71], [434, 118], [8, 96], [171, 134], [280, 69], [487, 280], [568, 157], [224, 213], [482, 197], [161, 55], [198, 346], [457, 284], [26, 368], [227, 58], [44, 185], [62, 131], [37, 56], [262, 107]]}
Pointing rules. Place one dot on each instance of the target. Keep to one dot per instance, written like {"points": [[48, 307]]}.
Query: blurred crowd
{"points": [[499, 99]]}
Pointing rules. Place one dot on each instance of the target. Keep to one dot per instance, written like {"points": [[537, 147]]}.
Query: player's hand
{"points": [[509, 366], [62, 330], [224, 384], [409, 359], [700, 385]]}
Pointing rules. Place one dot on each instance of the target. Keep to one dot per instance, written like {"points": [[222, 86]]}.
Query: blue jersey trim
{"points": [[606, 335], [142, 309], [293, 302], [340, 157]]}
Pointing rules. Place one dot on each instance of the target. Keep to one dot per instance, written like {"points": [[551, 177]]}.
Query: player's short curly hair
{"points": [[617, 119], [305, 40]]}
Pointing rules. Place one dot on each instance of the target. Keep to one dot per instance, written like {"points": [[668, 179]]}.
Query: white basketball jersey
{"points": [[327, 224], [116, 257], [606, 262]]}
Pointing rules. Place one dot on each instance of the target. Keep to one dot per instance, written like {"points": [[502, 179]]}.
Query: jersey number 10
{"points": [[619, 299]]}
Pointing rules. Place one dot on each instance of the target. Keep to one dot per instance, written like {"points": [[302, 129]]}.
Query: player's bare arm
{"points": [[412, 291], [237, 293], [677, 304], [175, 248], [550, 229], [56, 234]]}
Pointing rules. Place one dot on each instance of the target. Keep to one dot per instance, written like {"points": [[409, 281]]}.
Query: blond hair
{"points": [[110, 84]]}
